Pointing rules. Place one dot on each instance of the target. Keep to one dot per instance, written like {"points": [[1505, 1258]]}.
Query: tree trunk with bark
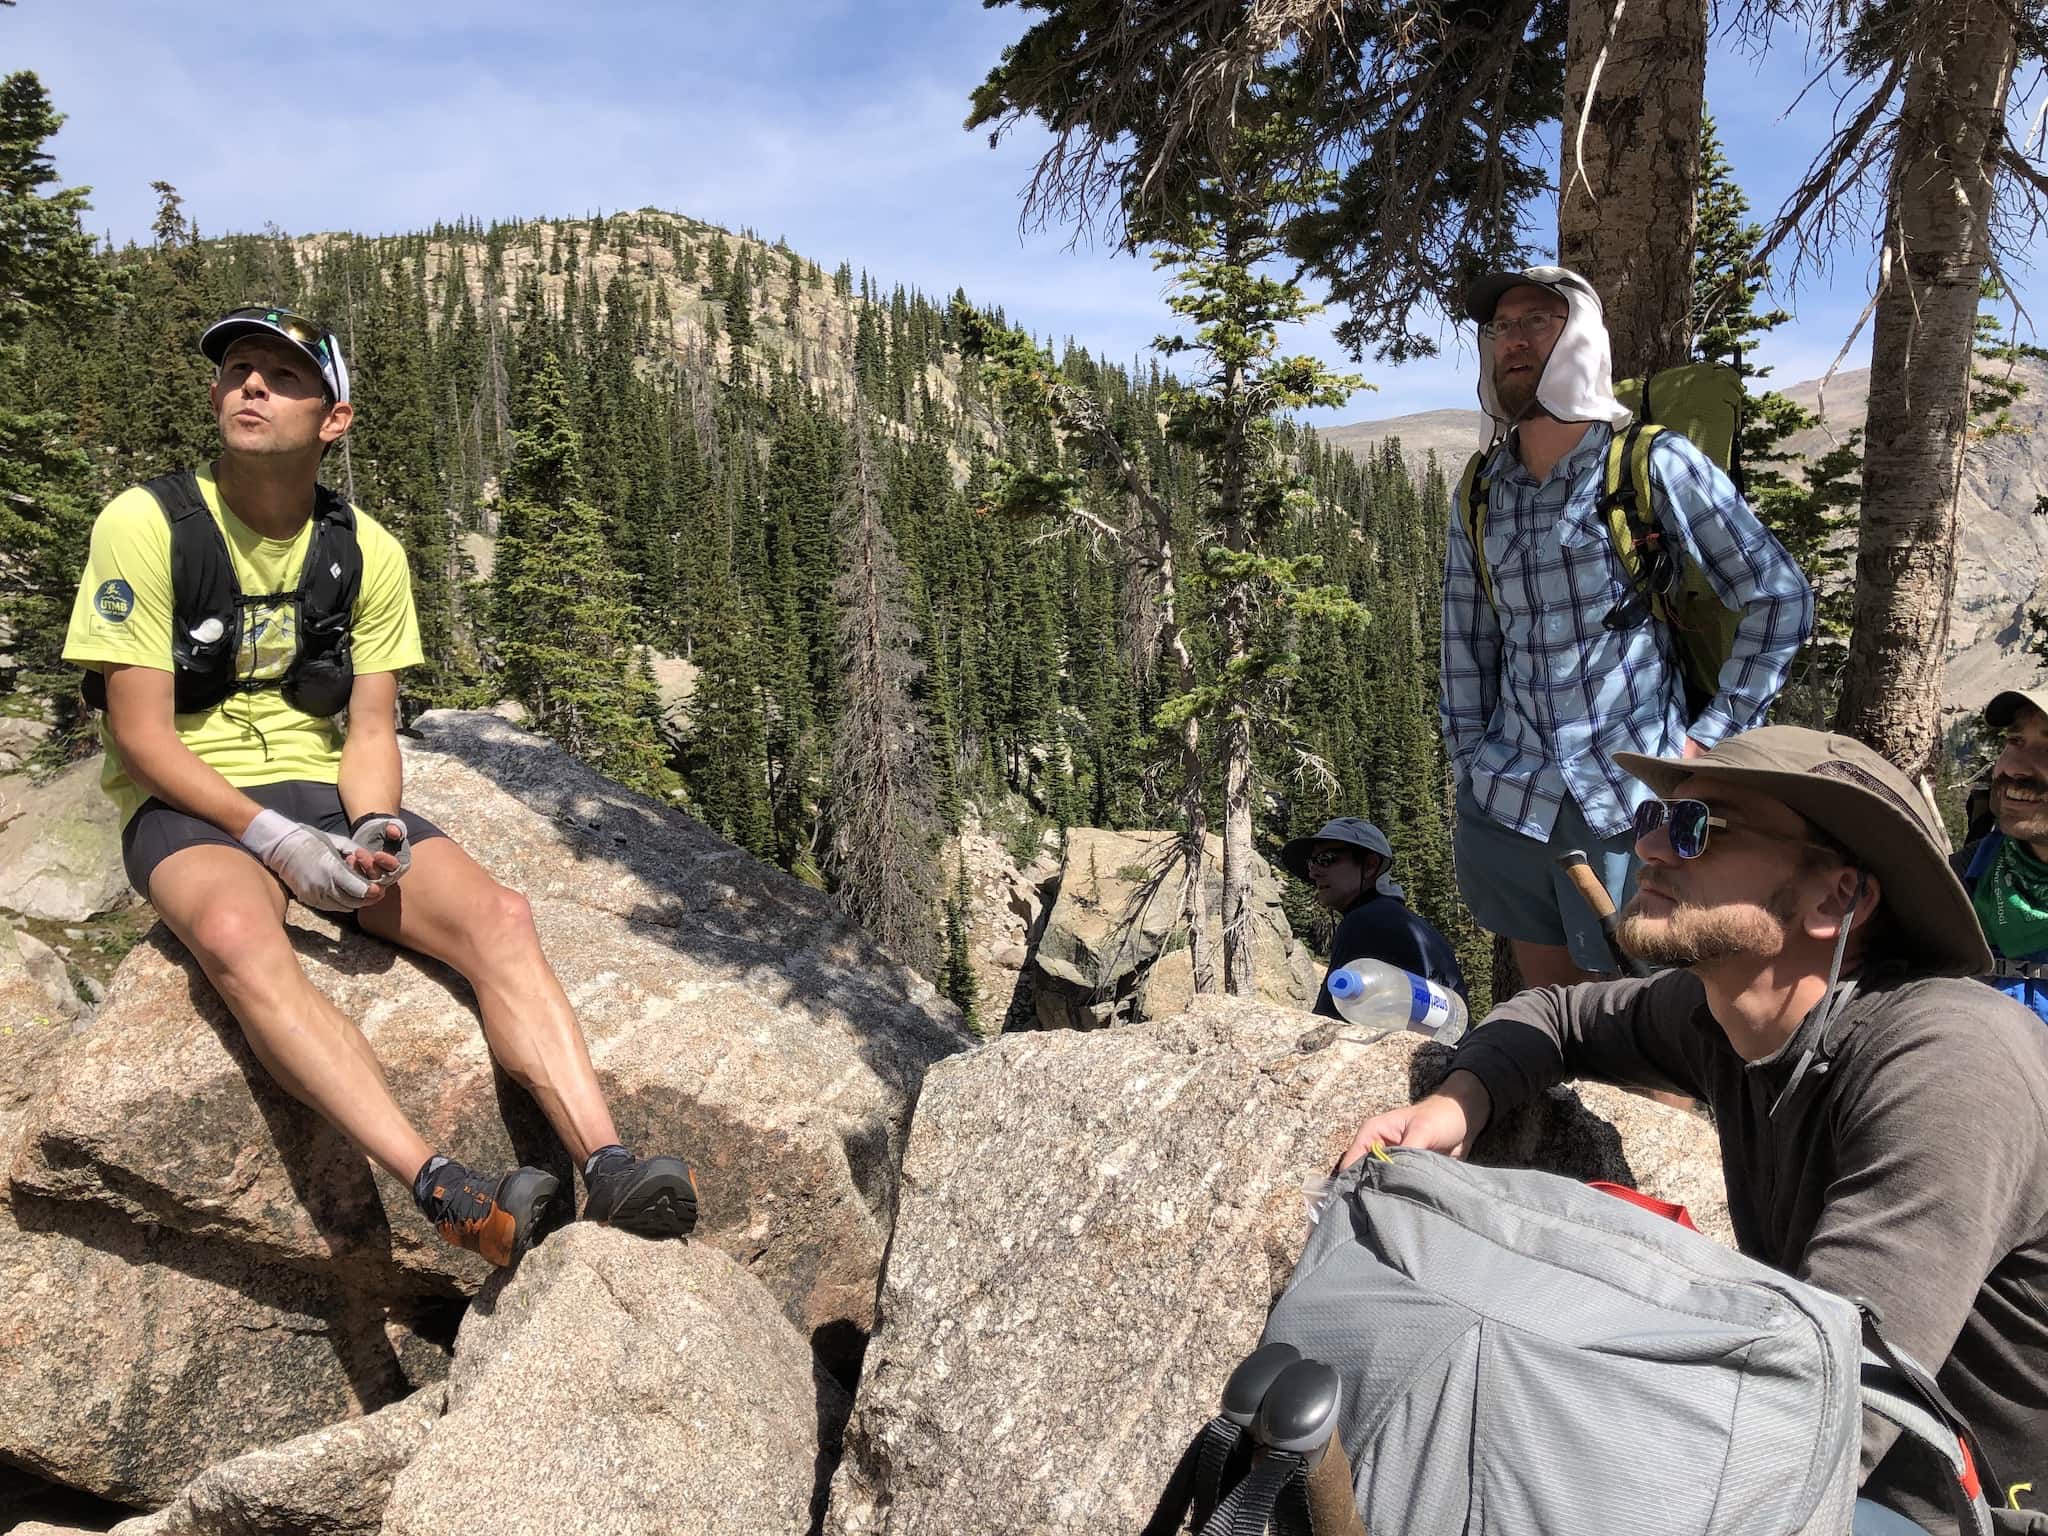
{"points": [[1937, 243], [1629, 192]]}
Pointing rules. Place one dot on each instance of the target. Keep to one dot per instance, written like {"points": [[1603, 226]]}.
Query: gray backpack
{"points": [[1519, 1353]]}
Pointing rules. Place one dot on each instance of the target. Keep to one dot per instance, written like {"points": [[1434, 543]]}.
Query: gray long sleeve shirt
{"points": [[1912, 1172]]}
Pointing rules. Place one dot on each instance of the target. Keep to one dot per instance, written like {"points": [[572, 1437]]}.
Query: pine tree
{"points": [[562, 620], [957, 979], [49, 284]]}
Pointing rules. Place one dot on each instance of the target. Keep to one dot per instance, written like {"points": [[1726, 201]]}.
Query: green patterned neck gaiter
{"points": [[2012, 901]]}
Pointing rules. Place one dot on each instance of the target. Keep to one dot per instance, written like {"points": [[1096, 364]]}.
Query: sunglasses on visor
{"points": [[307, 333], [1687, 822]]}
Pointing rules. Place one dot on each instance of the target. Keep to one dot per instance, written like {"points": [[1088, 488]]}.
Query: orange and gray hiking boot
{"points": [[498, 1218], [648, 1196]]}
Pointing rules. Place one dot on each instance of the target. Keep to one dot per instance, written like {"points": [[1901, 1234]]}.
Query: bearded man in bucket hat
{"points": [[242, 629], [1347, 861], [1547, 671], [1883, 1122], [2006, 870]]}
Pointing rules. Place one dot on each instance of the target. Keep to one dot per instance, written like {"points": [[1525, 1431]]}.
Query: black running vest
{"points": [[209, 601]]}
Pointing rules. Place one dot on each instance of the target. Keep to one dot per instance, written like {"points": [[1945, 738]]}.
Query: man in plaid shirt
{"points": [[1538, 691]]}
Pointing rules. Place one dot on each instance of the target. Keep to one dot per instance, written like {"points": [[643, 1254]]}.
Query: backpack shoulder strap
{"points": [[1628, 501], [202, 575], [1900, 1390], [1475, 491], [333, 573]]}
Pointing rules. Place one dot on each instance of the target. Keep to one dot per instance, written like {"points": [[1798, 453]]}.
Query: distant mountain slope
{"points": [[2001, 557]]}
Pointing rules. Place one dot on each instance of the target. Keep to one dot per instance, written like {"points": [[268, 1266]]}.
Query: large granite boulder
{"points": [[60, 855], [1114, 946], [335, 1481], [130, 1360], [734, 1017], [617, 1387], [1093, 1229]]}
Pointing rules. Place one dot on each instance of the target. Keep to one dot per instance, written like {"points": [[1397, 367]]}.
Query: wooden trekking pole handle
{"points": [[1595, 896]]}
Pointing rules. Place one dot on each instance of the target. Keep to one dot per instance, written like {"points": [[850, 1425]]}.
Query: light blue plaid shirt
{"points": [[1537, 696]]}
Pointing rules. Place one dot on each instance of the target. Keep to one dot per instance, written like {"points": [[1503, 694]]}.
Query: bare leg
{"points": [[229, 912], [448, 906], [1549, 965]]}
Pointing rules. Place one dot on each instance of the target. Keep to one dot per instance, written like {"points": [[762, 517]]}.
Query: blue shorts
{"points": [[1514, 887]]}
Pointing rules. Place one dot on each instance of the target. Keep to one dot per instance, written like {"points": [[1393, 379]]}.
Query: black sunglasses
{"points": [[1687, 822], [1323, 858]]}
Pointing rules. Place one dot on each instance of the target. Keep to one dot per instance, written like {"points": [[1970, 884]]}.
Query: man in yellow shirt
{"points": [[224, 658]]}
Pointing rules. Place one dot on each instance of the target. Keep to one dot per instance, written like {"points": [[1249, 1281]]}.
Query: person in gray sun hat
{"points": [[1883, 1120], [2006, 870], [1548, 669], [1347, 862]]}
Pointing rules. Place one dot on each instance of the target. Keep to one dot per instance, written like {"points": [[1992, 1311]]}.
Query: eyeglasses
{"points": [[1533, 327], [1687, 822], [1323, 858]]}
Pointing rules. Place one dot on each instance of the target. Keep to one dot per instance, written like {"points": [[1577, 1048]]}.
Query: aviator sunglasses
{"points": [[1687, 822]]}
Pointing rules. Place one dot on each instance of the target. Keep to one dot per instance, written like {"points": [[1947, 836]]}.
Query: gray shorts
{"points": [[156, 831], [1514, 888]]}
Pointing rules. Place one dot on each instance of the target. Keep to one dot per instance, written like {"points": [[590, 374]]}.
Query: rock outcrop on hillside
{"points": [[1093, 1228], [1113, 948]]}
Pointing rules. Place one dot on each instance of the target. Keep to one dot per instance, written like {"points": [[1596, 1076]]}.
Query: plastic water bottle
{"points": [[1384, 998]]}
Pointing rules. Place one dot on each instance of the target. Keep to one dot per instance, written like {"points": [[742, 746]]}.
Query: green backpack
{"points": [[1699, 401]]}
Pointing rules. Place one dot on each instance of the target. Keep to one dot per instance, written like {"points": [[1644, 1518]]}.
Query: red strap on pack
{"points": [[1650, 1203], [1972, 1484]]}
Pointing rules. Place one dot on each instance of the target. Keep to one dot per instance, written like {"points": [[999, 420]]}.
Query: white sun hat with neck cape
{"points": [[1578, 382]]}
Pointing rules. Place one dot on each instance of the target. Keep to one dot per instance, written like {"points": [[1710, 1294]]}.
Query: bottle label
{"points": [[1429, 1006]]}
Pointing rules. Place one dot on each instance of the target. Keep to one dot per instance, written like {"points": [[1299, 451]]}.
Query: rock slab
{"points": [[60, 856], [1093, 1229], [618, 1387], [332, 1482]]}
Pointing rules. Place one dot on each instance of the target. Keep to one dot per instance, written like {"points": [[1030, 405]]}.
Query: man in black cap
{"points": [[2006, 870], [1551, 666], [1883, 1127], [1348, 861], [228, 617]]}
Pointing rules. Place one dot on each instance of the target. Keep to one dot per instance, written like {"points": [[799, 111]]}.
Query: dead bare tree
{"points": [[886, 843]]}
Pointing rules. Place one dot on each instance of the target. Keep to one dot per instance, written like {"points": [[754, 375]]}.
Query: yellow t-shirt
{"points": [[123, 614]]}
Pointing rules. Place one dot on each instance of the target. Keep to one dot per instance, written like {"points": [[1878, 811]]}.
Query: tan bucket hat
{"points": [[1998, 714], [1870, 808]]}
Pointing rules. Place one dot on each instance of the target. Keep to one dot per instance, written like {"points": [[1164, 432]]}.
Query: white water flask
{"points": [[1384, 998]]}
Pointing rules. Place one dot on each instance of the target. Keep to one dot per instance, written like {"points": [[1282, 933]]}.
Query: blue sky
{"points": [[833, 123]]}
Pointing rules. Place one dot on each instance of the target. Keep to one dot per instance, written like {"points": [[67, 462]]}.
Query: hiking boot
{"points": [[649, 1196], [498, 1218]]}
